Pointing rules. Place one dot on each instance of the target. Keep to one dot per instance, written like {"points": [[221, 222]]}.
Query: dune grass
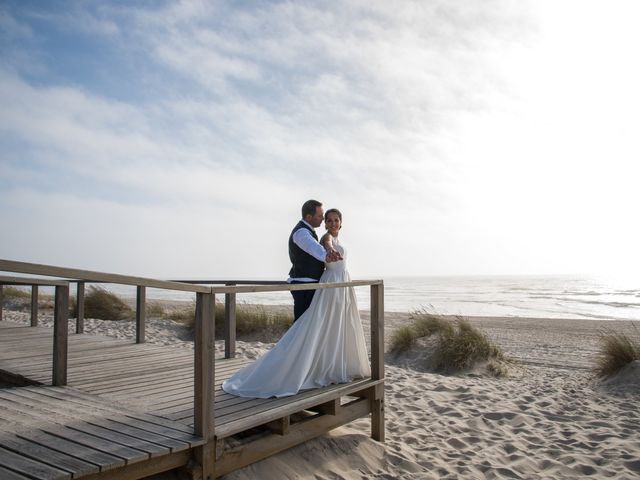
{"points": [[14, 292], [251, 320], [616, 351], [459, 344], [101, 303]]}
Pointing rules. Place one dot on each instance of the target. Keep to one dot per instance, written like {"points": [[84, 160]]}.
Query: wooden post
{"points": [[203, 414], [80, 307], [141, 313], [60, 333], [34, 305], [1, 301], [377, 361], [230, 324]]}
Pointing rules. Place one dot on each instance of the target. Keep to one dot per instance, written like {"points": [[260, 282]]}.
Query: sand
{"points": [[549, 418]]}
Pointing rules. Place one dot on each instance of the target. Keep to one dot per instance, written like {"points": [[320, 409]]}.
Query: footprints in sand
{"points": [[554, 424]]}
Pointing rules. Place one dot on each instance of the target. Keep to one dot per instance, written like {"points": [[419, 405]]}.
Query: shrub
{"points": [[462, 347], [426, 323], [100, 303], [459, 344], [154, 310], [14, 292], [251, 320], [616, 351], [402, 339]]}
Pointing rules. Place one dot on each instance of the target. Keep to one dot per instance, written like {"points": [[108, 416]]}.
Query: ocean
{"points": [[557, 296]]}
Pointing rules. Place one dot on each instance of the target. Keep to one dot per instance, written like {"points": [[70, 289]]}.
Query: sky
{"points": [[180, 138]]}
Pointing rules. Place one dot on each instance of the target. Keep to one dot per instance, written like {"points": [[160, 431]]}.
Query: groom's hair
{"points": [[309, 207]]}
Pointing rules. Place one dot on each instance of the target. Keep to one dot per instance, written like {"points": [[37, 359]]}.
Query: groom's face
{"points": [[316, 220]]}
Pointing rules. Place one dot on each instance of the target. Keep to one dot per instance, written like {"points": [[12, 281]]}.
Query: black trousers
{"points": [[301, 300]]}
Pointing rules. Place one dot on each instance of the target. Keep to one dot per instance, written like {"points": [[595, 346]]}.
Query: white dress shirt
{"points": [[307, 243]]}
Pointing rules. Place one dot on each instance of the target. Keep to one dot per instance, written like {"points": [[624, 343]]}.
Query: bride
{"points": [[325, 345]]}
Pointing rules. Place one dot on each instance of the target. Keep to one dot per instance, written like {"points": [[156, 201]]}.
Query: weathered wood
{"points": [[80, 307], [229, 324], [60, 335], [100, 277], [11, 280], [30, 468], [34, 305], [328, 408], [1, 300], [204, 363], [106, 461], [11, 475], [141, 314], [238, 457], [377, 360], [51, 457], [205, 455], [281, 426], [144, 469]]}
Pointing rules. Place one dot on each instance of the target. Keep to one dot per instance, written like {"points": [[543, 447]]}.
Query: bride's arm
{"points": [[326, 242]]}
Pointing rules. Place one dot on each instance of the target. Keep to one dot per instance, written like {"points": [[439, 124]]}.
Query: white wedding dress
{"points": [[325, 345]]}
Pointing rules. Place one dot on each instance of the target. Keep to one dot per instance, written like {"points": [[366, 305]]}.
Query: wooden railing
{"points": [[204, 359]]}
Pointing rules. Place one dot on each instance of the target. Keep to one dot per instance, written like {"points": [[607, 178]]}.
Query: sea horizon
{"points": [[543, 296]]}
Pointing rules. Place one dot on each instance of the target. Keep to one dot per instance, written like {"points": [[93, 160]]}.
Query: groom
{"points": [[307, 255]]}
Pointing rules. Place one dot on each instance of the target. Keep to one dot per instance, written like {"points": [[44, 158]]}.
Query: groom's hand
{"points": [[333, 256]]}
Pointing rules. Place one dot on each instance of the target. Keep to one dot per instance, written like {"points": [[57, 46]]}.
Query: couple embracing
{"points": [[326, 343]]}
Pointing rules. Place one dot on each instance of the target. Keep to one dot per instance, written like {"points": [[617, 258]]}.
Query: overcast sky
{"points": [[458, 137]]}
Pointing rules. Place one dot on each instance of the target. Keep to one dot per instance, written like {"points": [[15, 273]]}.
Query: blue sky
{"points": [[181, 138]]}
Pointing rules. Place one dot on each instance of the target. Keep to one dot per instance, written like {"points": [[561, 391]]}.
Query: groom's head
{"points": [[313, 213]]}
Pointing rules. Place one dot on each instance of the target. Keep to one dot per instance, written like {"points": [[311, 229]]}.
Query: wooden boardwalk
{"points": [[154, 408], [126, 403]]}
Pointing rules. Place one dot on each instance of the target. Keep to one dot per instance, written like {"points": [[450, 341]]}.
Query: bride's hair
{"points": [[333, 210]]}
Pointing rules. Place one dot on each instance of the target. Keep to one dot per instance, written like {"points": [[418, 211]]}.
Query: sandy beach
{"points": [[549, 418]]}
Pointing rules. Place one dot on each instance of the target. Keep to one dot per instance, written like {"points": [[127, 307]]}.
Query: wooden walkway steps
{"points": [[128, 403], [61, 433]]}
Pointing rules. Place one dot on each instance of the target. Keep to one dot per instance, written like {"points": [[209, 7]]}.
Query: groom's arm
{"points": [[306, 242]]}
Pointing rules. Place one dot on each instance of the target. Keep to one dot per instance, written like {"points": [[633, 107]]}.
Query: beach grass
{"points": [[14, 292], [101, 303], [459, 345], [251, 321], [617, 350]]}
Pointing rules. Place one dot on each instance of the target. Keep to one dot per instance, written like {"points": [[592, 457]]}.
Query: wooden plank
{"points": [[11, 280], [113, 437], [204, 361], [239, 457], [77, 394], [235, 422], [377, 360], [141, 314], [128, 454], [60, 334], [173, 439], [105, 461], [10, 474], [145, 469], [35, 451], [30, 468], [1, 300], [229, 324], [80, 307], [34, 305], [100, 277], [204, 368]]}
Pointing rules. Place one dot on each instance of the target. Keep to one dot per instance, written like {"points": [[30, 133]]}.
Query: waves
{"points": [[530, 296]]}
